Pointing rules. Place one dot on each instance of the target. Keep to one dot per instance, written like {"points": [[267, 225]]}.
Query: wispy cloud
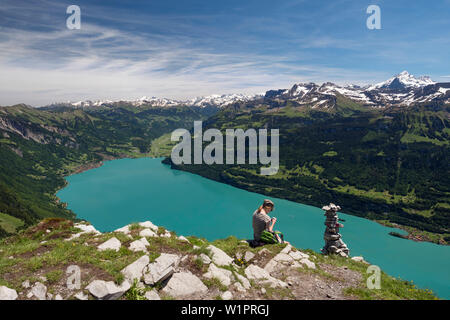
{"points": [[127, 52]]}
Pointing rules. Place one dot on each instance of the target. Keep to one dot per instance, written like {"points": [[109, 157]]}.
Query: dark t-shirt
{"points": [[261, 222]]}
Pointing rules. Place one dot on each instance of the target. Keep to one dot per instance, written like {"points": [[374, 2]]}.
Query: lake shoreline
{"points": [[414, 235]]}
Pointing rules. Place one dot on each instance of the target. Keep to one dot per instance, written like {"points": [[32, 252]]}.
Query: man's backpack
{"points": [[272, 237]]}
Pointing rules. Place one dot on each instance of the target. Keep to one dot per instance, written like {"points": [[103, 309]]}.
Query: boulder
{"points": [[39, 291], [138, 245], [283, 257], [243, 280], [227, 295], [249, 256], [297, 255], [7, 293], [84, 229], [162, 268], [149, 225], [183, 284], [219, 257], [286, 249], [182, 238], [257, 273], [147, 233], [205, 259], [134, 270], [107, 290], [81, 296], [308, 263], [111, 244], [152, 295], [224, 276], [58, 297], [125, 230], [359, 259]]}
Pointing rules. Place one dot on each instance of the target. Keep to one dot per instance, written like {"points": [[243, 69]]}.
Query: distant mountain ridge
{"points": [[403, 89]]}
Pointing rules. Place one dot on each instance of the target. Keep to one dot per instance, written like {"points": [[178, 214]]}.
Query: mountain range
{"points": [[403, 89]]}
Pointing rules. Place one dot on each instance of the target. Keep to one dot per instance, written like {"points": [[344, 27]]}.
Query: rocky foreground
{"points": [[59, 260]]}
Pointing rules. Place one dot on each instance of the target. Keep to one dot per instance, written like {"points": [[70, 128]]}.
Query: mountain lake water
{"points": [[133, 190]]}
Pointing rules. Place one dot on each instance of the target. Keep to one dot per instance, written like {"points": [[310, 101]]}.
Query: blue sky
{"points": [[183, 49]]}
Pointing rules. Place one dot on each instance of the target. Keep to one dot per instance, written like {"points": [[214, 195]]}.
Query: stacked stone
{"points": [[332, 237]]}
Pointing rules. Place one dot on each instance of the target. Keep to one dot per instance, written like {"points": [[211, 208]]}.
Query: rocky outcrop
{"points": [[7, 293], [111, 244], [178, 269], [107, 290], [184, 284]]}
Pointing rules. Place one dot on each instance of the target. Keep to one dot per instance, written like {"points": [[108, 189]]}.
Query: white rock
{"points": [[58, 297], [107, 290], [7, 293], [283, 257], [245, 283], [111, 244], [297, 255], [147, 233], [43, 279], [81, 296], [224, 276], [144, 241], [30, 295], [183, 284], [26, 284], [162, 268], [249, 256], [148, 224], [137, 245], [227, 295], [239, 287], [167, 234], [182, 238], [257, 273], [39, 291], [263, 251], [359, 259], [152, 295], [205, 258], [308, 263], [125, 230], [49, 296], [134, 270], [287, 249], [263, 290], [219, 257], [271, 266], [84, 229]]}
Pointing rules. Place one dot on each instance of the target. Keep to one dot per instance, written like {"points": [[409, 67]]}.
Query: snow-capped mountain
{"points": [[401, 90], [212, 100], [402, 81]]}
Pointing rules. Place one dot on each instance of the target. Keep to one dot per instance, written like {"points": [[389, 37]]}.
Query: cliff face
{"points": [[57, 259]]}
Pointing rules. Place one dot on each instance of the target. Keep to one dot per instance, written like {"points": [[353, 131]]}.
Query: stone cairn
{"points": [[332, 237]]}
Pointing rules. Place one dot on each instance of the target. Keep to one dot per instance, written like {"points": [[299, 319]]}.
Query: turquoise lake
{"points": [[133, 190]]}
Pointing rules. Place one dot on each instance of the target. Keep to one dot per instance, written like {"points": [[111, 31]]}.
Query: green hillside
{"points": [[38, 147], [389, 165]]}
